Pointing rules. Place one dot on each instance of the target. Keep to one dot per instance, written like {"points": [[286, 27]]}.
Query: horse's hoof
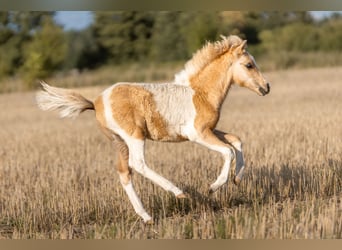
{"points": [[237, 181], [149, 222], [181, 196]]}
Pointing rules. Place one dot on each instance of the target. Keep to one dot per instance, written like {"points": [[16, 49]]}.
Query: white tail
{"points": [[68, 103]]}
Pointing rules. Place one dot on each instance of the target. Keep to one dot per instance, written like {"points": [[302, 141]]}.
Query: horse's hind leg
{"points": [[237, 145], [137, 161], [126, 178]]}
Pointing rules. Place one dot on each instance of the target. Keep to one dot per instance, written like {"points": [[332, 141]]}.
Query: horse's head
{"points": [[246, 73]]}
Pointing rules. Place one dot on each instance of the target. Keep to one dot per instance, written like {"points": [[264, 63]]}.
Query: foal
{"points": [[186, 109]]}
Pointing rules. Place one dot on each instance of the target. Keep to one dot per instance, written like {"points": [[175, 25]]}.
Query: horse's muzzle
{"points": [[265, 91]]}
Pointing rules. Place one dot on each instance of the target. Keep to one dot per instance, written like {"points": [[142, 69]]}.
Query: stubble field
{"points": [[57, 176]]}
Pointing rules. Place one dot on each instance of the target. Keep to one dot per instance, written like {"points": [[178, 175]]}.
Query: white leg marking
{"points": [[228, 156], [137, 205], [223, 177], [137, 161]]}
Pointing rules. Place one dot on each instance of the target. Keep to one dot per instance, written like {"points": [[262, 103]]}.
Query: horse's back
{"points": [[155, 111]]}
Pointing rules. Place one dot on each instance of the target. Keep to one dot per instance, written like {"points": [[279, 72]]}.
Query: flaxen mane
{"points": [[205, 55]]}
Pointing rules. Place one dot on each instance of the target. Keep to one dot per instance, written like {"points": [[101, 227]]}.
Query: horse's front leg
{"points": [[237, 145], [212, 141]]}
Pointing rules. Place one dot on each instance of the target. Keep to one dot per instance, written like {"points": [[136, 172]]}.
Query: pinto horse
{"points": [[186, 109]]}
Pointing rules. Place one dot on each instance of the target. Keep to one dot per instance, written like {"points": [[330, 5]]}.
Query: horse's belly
{"points": [[166, 134]]}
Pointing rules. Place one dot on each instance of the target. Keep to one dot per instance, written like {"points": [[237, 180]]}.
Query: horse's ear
{"points": [[241, 48]]}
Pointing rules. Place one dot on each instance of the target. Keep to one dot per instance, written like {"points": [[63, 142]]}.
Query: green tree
{"points": [[331, 34], [177, 35], [276, 19], [83, 52], [8, 45], [10, 55], [168, 44], [291, 38], [16, 29], [244, 24], [199, 27], [124, 36], [45, 53]]}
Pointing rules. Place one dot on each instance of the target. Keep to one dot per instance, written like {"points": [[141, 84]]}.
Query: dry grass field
{"points": [[58, 180]]}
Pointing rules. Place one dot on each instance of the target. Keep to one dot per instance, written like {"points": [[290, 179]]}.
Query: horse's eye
{"points": [[249, 65]]}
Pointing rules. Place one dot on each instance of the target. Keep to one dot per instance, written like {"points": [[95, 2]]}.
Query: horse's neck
{"points": [[213, 82]]}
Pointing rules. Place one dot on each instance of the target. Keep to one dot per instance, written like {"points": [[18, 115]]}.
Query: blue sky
{"points": [[322, 14], [74, 20], [77, 20]]}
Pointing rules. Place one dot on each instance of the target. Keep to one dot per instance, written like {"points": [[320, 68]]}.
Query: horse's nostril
{"points": [[262, 91], [265, 90], [268, 87]]}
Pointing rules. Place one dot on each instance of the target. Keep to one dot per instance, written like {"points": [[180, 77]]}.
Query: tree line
{"points": [[33, 46]]}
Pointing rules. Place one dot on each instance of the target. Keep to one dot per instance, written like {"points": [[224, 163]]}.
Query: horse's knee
{"points": [[124, 171], [137, 164], [235, 141], [237, 145], [123, 168], [125, 176], [228, 154]]}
